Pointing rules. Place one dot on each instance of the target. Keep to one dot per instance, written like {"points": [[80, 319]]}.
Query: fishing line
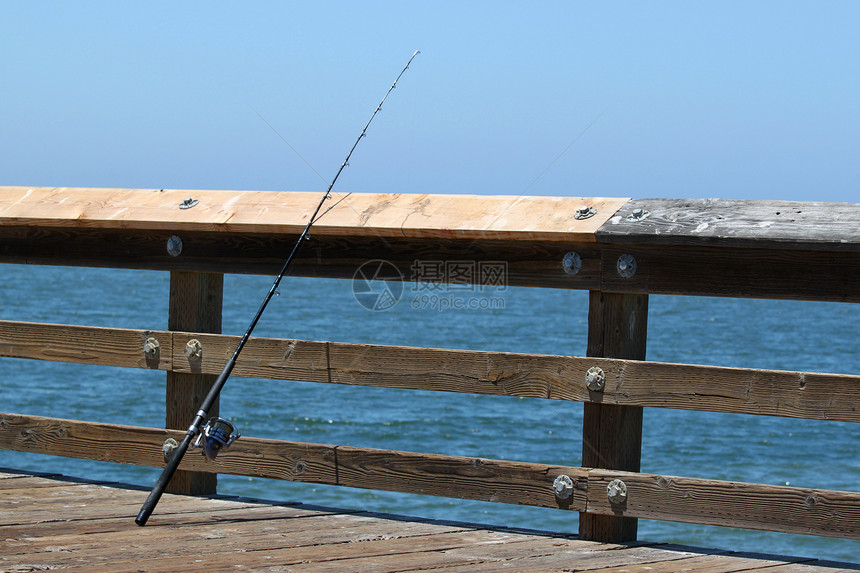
{"points": [[218, 432], [336, 203], [290, 146], [551, 163]]}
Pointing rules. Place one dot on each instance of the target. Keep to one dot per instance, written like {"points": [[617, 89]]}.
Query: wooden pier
{"points": [[54, 523], [619, 250]]}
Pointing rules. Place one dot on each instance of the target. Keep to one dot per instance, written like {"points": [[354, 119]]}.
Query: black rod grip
{"points": [[159, 487]]}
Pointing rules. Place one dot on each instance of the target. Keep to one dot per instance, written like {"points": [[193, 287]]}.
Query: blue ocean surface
{"points": [[784, 335]]}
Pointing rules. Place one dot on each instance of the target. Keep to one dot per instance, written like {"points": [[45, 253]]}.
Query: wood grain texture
{"points": [[611, 433], [429, 474], [528, 263], [713, 502], [735, 272], [195, 304], [190, 534], [789, 225], [365, 214], [84, 344], [628, 382]]}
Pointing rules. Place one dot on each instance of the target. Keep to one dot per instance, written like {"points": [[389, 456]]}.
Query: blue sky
{"points": [[754, 100]]}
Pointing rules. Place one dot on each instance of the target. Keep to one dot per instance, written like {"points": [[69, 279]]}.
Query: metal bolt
{"points": [[572, 263], [188, 203], [193, 349], [167, 449], [626, 265], [595, 379], [616, 490], [585, 212], [563, 487], [174, 246], [151, 348], [638, 215]]}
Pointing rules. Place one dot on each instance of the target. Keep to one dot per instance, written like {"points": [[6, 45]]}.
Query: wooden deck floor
{"points": [[52, 523]]}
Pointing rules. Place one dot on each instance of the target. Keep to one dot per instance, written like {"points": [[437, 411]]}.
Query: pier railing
{"points": [[617, 249]]}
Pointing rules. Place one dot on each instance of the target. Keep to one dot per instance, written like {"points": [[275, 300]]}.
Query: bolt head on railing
{"points": [[626, 265], [616, 491], [595, 379], [174, 246], [151, 348], [585, 212], [167, 448], [563, 487], [193, 349], [571, 263]]}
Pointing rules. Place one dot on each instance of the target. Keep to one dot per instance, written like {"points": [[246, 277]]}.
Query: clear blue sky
{"points": [[757, 100]]}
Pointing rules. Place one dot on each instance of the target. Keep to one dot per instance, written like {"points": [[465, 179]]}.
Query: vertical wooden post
{"points": [[195, 306], [611, 434]]}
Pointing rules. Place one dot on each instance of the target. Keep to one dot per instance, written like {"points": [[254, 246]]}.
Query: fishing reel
{"points": [[216, 435]]}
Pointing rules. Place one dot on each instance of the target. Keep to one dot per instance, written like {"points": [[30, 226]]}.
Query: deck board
{"points": [[59, 523]]}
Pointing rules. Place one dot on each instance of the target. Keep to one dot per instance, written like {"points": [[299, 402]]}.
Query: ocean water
{"points": [[785, 335]]}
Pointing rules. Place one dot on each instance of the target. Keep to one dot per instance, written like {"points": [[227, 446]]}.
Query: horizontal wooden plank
{"points": [[526, 263], [788, 225], [627, 382], [429, 474], [360, 214], [712, 502], [85, 344], [733, 272], [661, 269]]}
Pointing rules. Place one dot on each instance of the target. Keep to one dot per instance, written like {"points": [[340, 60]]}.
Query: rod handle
{"points": [[158, 489]]}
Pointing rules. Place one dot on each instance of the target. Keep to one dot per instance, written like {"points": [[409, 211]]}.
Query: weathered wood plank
{"points": [[195, 304], [528, 263], [716, 562], [84, 344], [791, 225], [734, 272], [449, 476], [628, 382], [612, 434], [714, 502], [367, 214], [217, 533], [777, 508]]}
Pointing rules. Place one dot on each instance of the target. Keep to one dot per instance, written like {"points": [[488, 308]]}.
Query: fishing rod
{"points": [[218, 433]]}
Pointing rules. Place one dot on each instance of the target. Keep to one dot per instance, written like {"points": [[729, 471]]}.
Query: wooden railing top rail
{"points": [[760, 249], [717, 222], [275, 212]]}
